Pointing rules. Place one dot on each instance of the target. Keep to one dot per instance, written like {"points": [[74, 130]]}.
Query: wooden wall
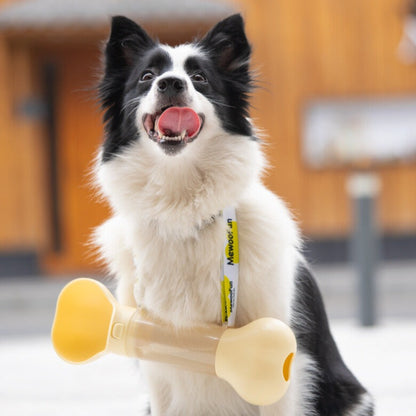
{"points": [[23, 199], [79, 134], [327, 49]]}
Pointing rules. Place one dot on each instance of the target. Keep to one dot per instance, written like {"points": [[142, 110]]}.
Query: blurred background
{"points": [[337, 105]]}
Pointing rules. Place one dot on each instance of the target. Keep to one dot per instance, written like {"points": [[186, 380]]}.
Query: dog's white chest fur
{"points": [[179, 280], [171, 253]]}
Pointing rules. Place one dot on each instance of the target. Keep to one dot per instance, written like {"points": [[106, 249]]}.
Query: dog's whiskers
{"points": [[222, 104], [131, 105]]}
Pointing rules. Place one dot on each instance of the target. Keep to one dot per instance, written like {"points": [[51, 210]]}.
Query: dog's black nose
{"points": [[171, 85]]}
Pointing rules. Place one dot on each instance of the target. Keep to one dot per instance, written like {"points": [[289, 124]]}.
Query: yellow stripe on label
{"points": [[225, 299]]}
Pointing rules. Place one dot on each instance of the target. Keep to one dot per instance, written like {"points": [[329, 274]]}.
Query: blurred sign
{"points": [[359, 133]]}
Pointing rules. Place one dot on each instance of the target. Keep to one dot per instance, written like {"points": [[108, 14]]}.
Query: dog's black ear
{"points": [[127, 41], [227, 43]]}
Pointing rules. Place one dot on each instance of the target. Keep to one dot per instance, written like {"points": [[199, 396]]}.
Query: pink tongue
{"points": [[173, 121]]}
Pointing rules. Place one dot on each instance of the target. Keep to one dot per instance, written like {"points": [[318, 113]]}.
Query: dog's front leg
{"points": [[159, 390], [110, 239]]}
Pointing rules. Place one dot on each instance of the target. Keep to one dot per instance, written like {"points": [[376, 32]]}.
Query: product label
{"points": [[229, 279]]}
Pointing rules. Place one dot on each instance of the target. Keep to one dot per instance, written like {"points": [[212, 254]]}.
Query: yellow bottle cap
{"points": [[84, 312]]}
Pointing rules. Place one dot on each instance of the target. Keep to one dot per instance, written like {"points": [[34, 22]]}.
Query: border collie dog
{"points": [[179, 148]]}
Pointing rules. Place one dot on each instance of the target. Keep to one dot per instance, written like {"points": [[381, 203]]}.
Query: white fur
{"points": [[163, 250], [363, 407]]}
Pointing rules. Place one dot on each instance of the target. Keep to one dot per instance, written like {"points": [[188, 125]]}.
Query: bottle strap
{"points": [[230, 262]]}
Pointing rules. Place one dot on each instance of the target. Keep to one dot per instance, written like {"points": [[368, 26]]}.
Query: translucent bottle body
{"points": [[190, 348]]}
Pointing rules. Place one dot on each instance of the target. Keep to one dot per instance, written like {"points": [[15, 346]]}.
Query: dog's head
{"points": [[171, 97]]}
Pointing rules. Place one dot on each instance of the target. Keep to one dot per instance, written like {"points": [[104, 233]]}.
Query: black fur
{"points": [[130, 51], [337, 390], [229, 53], [126, 48]]}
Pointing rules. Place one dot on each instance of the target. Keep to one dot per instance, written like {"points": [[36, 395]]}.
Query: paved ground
{"points": [[34, 382]]}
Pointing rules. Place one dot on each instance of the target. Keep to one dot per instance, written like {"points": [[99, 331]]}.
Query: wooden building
{"points": [[50, 124]]}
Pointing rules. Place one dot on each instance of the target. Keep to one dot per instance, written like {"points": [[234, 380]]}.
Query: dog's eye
{"points": [[198, 77], [147, 76]]}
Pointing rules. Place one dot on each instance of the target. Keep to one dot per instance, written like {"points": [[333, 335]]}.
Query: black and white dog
{"points": [[179, 148]]}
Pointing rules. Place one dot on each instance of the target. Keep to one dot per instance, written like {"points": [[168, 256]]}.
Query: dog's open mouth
{"points": [[173, 127]]}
